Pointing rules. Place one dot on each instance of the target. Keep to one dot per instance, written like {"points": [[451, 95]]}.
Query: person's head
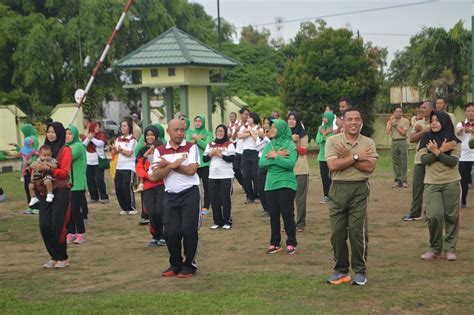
{"points": [[126, 127], [441, 121], [352, 121], [441, 104], [221, 133], [86, 121], [97, 127], [329, 108], [45, 152], [72, 135], [292, 120], [55, 137], [345, 103], [254, 119], [199, 122], [279, 131], [426, 108], [397, 111], [233, 117], [266, 122], [275, 114], [470, 111], [176, 131], [152, 134], [134, 117], [94, 127], [244, 114], [328, 119]]}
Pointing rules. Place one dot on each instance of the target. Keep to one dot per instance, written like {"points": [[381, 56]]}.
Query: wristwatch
{"points": [[355, 157]]}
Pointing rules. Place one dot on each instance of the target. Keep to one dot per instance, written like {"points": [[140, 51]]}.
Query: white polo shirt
{"points": [[127, 143], [176, 182], [467, 155], [249, 143]]}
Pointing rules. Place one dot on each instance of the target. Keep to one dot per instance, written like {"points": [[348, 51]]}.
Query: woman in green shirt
{"points": [[324, 132], [440, 150], [201, 137], [76, 228], [278, 158]]}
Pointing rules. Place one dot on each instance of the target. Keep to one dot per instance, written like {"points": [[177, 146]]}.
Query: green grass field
{"points": [[115, 273]]}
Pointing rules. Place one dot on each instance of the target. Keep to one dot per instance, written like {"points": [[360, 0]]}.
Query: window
{"points": [[171, 72], [154, 72]]}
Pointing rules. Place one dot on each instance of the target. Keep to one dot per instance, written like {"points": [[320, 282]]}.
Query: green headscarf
{"points": [[201, 144], [29, 131], [77, 175], [330, 116], [201, 130], [283, 136], [141, 141]]}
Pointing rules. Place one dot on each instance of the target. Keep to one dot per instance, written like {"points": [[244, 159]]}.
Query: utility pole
{"points": [[221, 72], [472, 59]]}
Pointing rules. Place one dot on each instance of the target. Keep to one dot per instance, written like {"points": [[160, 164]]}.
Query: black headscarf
{"points": [[446, 132], [225, 138], [298, 129], [60, 141], [255, 117], [146, 145]]}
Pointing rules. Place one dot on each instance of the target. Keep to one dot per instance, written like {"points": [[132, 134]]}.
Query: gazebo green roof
{"points": [[175, 48]]}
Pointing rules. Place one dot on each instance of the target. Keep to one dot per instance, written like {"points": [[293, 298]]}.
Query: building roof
{"points": [[175, 48], [14, 110]]}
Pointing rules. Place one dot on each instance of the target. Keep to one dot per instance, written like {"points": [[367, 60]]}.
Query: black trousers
{"points": [[465, 169], [262, 177], [325, 178], [184, 220], [237, 166], [203, 173], [76, 224], [221, 192], [250, 173], [53, 220], [280, 202], [26, 182], [124, 189], [96, 183], [152, 202]]}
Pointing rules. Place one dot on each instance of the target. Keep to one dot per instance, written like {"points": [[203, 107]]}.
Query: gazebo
{"points": [[175, 59]]}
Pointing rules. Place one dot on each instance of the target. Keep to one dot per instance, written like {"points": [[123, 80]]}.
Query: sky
{"points": [[390, 28]]}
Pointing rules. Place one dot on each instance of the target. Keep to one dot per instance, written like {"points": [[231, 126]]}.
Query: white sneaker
{"points": [[49, 197], [214, 227], [133, 212], [50, 264], [33, 201], [123, 212], [62, 264], [227, 227]]}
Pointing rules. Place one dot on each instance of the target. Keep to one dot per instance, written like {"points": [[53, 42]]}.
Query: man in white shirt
{"points": [[465, 132], [176, 163]]}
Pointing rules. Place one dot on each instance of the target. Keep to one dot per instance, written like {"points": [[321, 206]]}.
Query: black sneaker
{"points": [[143, 221], [410, 217]]}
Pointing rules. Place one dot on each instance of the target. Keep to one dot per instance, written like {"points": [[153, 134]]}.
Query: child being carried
{"points": [[45, 178]]}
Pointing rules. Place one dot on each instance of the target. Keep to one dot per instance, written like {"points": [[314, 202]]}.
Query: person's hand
{"points": [[149, 151], [253, 133], [342, 151], [162, 163], [432, 146], [447, 146], [282, 153], [365, 154], [322, 131], [195, 137], [218, 152], [39, 166], [271, 154], [90, 136], [177, 163]]}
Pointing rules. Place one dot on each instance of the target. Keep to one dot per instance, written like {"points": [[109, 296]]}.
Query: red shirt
{"points": [[142, 168]]}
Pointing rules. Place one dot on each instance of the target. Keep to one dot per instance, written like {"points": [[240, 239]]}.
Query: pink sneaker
{"points": [[80, 239], [70, 238], [62, 264]]}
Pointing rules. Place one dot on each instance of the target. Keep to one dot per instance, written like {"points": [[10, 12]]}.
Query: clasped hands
{"points": [[343, 152], [274, 153], [446, 146]]}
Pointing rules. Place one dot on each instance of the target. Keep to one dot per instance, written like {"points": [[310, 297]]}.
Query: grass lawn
{"points": [[115, 271]]}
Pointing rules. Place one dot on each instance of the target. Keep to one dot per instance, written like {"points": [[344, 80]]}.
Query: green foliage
{"points": [[330, 64], [438, 62], [264, 105]]}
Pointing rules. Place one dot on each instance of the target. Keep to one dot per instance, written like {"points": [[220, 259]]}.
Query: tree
{"points": [[437, 62], [331, 64], [253, 36]]}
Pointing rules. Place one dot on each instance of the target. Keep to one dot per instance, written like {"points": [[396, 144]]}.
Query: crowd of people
{"points": [[192, 173]]}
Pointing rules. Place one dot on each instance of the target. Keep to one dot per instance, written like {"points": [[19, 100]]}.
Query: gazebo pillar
{"points": [[184, 101], [209, 110], [169, 103], [145, 106]]}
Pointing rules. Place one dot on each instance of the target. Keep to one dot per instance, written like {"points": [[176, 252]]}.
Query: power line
{"points": [[387, 34], [345, 13]]}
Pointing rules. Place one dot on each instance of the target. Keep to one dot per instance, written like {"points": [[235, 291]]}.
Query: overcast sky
{"points": [[386, 28]]}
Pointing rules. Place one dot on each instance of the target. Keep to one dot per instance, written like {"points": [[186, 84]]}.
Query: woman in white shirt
{"points": [[95, 142], [249, 136], [262, 139], [124, 146], [220, 153]]}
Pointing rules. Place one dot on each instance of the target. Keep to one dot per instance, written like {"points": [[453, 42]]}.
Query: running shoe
{"points": [[359, 279], [153, 243], [62, 264], [272, 249], [186, 273], [33, 201], [123, 212], [325, 200], [35, 211], [291, 249], [143, 221], [214, 227], [80, 239], [451, 256], [161, 242], [50, 264], [227, 227], [171, 272], [430, 255], [70, 238], [133, 212], [410, 217], [338, 278]]}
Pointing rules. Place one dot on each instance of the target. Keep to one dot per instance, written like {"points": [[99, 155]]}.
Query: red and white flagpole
{"points": [[82, 94]]}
